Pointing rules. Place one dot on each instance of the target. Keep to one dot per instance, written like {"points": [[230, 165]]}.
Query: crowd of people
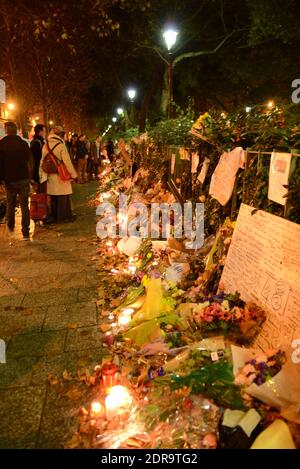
{"points": [[49, 167]]}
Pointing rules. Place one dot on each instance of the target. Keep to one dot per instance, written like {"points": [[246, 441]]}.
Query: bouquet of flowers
{"points": [[261, 368], [227, 313]]}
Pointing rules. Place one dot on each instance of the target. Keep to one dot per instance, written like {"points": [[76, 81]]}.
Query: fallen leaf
{"points": [[75, 441], [52, 380], [67, 376], [74, 393], [105, 327], [72, 326]]}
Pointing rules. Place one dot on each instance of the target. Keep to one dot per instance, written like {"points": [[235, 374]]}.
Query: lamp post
{"points": [[170, 37], [132, 94]]}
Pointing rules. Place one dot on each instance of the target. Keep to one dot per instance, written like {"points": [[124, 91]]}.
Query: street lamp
{"points": [[114, 119], [10, 106], [131, 94], [120, 111], [170, 37]]}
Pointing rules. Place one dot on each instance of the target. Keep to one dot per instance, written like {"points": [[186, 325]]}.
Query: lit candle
{"points": [[125, 317], [96, 408], [110, 376], [117, 403]]}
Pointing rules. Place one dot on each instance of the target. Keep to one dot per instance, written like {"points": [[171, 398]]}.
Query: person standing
{"points": [[110, 150], [58, 189], [82, 155], [15, 171], [96, 154], [36, 147]]}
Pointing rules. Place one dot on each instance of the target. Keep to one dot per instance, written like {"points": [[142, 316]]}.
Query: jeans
{"points": [[20, 188]]}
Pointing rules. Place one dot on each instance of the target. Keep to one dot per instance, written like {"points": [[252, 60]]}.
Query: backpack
{"points": [[49, 164]]}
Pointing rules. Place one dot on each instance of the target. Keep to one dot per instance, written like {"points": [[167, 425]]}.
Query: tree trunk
{"points": [[164, 93], [154, 83]]}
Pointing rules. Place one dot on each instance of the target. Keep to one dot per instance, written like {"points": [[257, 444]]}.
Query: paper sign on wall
{"points": [[279, 176], [263, 264], [173, 159], [223, 178], [195, 162], [204, 170]]}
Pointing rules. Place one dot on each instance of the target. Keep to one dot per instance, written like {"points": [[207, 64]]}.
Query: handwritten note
{"points": [[263, 264], [223, 178], [279, 176]]}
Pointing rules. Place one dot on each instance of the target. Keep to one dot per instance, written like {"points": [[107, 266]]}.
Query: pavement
{"points": [[49, 322]]}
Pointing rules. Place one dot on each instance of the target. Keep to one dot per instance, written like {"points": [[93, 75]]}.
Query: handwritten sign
{"points": [[223, 178], [279, 176], [263, 264]]}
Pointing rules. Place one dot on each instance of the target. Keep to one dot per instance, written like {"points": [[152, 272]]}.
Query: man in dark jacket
{"points": [[36, 150], [82, 156], [15, 169]]}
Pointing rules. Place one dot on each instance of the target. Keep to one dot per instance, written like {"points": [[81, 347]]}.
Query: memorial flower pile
{"points": [[261, 368]]}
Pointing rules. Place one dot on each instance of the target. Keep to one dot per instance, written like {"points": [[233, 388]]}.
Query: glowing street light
{"points": [[170, 37], [10, 106], [120, 111], [114, 119], [51, 122], [131, 93]]}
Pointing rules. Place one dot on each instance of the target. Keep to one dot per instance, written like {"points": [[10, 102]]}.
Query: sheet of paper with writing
{"points": [[263, 264]]}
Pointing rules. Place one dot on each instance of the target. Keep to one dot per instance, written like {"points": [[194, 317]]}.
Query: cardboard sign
{"points": [[279, 177], [263, 264]]}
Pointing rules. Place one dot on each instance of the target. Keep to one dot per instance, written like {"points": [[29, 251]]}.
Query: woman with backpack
{"points": [[57, 169]]}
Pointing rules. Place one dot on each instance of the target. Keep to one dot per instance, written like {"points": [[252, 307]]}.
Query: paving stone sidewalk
{"points": [[49, 322]]}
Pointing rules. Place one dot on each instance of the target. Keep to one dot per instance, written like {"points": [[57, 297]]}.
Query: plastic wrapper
{"points": [[276, 436], [281, 391]]}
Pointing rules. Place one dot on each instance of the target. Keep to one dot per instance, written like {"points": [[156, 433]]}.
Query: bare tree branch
{"points": [[188, 55]]}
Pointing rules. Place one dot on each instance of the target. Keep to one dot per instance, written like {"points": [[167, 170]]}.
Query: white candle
{"points": [[118, 402], [125, 317]]}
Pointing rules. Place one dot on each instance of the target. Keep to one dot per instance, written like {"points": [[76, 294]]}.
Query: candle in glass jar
{"points": [[117, 403], [109, 373]]}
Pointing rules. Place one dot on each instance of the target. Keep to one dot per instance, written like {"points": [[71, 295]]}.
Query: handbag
{"points": [[38, 206], [59, 165], [49, 165]]}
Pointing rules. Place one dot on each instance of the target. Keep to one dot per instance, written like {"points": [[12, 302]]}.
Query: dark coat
{"points": [[36, 150], [15, 159]]}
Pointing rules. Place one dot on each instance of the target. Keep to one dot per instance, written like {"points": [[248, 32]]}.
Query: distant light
{"points": [[170, 37], [270, 104], [37, 118], [223, 114], [114, 119], [247, 108], [51, 122], [120, 111], [10, 106], [131, 93]]}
